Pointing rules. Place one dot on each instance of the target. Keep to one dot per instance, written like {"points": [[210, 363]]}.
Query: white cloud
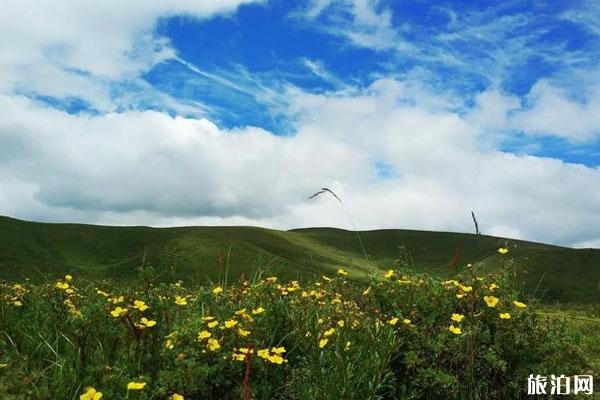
{"points": [[75, 48]]}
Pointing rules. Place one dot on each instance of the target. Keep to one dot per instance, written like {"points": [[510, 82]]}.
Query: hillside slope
{"points": [[41, 250]]}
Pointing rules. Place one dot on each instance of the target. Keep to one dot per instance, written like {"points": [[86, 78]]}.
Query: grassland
{"points": [[42, 251]]}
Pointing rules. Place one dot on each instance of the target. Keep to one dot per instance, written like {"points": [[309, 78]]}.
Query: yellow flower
{"points": [[389, 274], [323, 343], [276, 359], [518, 304], [212, 324], [102, 293], [271, 279], [169, 344], [243, 332], [240, 312], [62, 285], [264, 353], [326, 278], [493, 286], [230, 323], [258, 310], [460, 295], [213, 344], [180, 301], [208, 318], [278, 350], [17, 303], [176, 396], [504, 315], [466, 289], [329, 332], [204, 335], [117, 300], [491, 301], [393, 321], [342, 272], [118, 311], [140, 305], [148, 323], [348, 344], [90, 394], [502, 250], [217, 290], [136, 385], [367, 291], [406, 321], [238, 357], [454, 329], [68, 278], [457, 317], [341, 323]]}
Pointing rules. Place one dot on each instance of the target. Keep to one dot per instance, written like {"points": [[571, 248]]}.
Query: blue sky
{"points": [[232, 111]]}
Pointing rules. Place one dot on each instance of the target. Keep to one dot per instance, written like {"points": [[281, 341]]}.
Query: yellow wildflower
{"points": [[136, 385], [238, 357], [367, 291], [491, 301], [140, 305], [230, 323], [148, 323], [17, 303], [212, 324], [169, 344], [454, 329], [341, 323], [493, 287], [243, 332], [213, 344], [457, 317], [504, 315], [502, 250], [347, 347], [118, 311], [323, 343], [176, 396], [276, 359], [406, 321], [90, 394], [204, 335], [342, 272], [389, 274], [258, 310], [460, 295], [62, 285], [518, 304], [68, 278], [180, 301], [329, 332], [208, 318], [393, 321], [217, 290], [466, 289]]}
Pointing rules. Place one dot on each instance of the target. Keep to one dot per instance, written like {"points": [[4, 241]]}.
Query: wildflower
{"points": [[243, 332], [457, 317], [118, 311], [460, 295], [367, 291], [276, 359], [491, 301], [502, 250], [493, 286], [347, 347], [258, 310], [389, 274], [204, 335], [271, 279], [329, 332], [504, 315], [136, 385], [240, 312], [466, 289], [393, 321], [68, 278], [176, 396], [169, 344], [341, 323], [212, 324], [264, 353], [62, 285], [208, 318], [102, 293], [17, 303], [238, 357], [147, 323], [140, 305], [518, 304], [454, 329], [118, 300], [217, 290], [323, 343], [406, 321], [180, 301], [230, 323], [326, 278], [90, 394], [213, 344], [342, 272]]}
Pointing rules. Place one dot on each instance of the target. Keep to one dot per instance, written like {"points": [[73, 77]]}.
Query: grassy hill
{"points": [[41, 250]]}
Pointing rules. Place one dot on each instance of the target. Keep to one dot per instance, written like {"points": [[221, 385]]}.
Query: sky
{"points": [[233, 112]]}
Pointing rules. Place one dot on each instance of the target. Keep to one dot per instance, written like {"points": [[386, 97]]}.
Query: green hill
{"points": [[41, 250]]}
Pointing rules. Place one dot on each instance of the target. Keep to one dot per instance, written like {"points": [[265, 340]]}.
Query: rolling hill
{"points": [[42, 250]]}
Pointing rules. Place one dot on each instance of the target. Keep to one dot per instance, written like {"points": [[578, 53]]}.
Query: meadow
{"points": [[315, 321]]}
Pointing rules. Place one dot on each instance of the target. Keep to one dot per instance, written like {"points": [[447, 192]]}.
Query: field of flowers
{"points": [[401, 336]]}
